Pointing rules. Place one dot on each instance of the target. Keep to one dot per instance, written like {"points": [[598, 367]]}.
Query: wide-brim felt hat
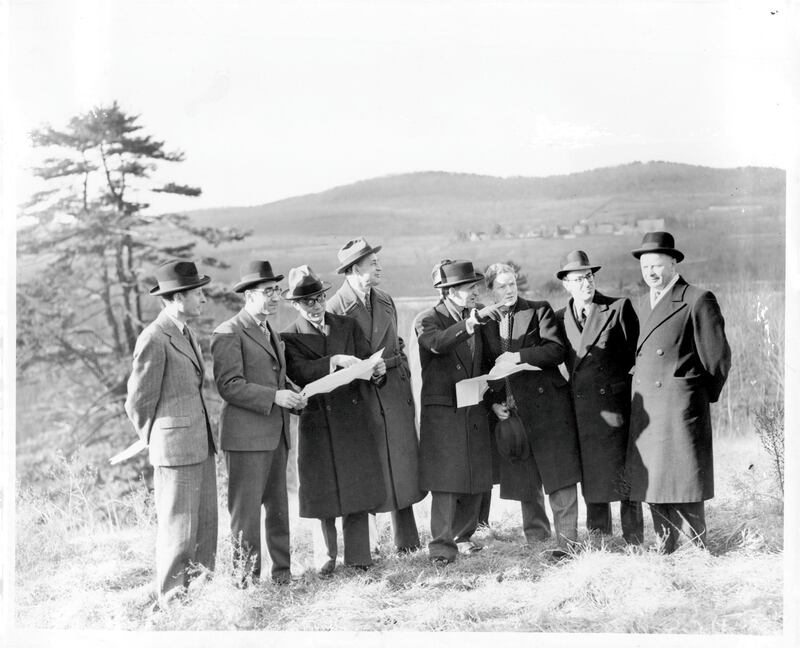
{"points": [[176, 276], [658, 243], [456, 273], [303, 283], [253, 273], [575, 261], [353, 251]]}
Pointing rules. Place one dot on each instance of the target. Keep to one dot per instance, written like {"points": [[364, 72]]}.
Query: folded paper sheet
{"points": [[362, 370], [471, 390]]}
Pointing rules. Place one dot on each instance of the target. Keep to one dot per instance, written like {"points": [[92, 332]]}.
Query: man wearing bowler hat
{"points": [[374, 310], [455, 450], [337, 458], [250, 374], [682, 362], [166, 405], [600, 333]]}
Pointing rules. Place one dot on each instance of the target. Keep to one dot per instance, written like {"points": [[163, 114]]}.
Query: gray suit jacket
{"points": [[165, 401], [248, 371]]}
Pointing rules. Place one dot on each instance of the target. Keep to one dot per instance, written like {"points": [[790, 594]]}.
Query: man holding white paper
{"points": [[337, 459], [527, 332]]}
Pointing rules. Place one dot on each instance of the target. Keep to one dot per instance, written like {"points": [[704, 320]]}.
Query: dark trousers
{"points": [[486, 505], [404, 526], [670, 520], [564, 504], [257, 479], [355, 534], [186, 510], [598, 518], [454, 518]]}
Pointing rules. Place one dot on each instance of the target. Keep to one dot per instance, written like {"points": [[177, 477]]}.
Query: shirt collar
{"points": [[176, 321], [653, 299], [454, 309], [253, 319], [362, 296]]}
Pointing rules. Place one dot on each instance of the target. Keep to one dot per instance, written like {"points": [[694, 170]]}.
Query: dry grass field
{"points": [[76, 569]]}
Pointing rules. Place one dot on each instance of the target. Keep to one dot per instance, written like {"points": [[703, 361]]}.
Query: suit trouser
{"points": [[670, 520], [454, 518], [355, 534], [186, 510], [404, 529], [257, 479], [564, 504], [486, 506], [598, 518]]}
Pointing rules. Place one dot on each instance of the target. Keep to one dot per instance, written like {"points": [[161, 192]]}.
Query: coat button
{"points": [[602, 392], [638, 382], [458, 366], [328, 407], [659, 352], [355, 401], [658, 383], [274, 367], [541, 390]]}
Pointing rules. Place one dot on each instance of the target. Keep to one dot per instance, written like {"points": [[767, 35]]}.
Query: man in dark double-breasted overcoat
{"points": [[337, 457], [600, 333], [682, 362]]}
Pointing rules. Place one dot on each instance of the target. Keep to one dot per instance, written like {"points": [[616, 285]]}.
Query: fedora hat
{"points": [[658, 242], [176, 276], [255, 272], [303, 282], [576, 260], [353, 251], [456, 273]]}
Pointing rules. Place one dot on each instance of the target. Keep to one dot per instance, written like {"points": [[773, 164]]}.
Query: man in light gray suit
{"points": [[168, 410], [250, 373]]}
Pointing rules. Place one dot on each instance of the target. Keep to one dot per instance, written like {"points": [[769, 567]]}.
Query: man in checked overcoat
{"points": [[600, 333], [250, 374], [374, 310], [682, 362], [167, 407]]}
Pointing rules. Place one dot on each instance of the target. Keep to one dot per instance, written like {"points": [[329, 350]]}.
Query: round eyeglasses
{"points": [[313, 301], [587, 278], [269, 292]]}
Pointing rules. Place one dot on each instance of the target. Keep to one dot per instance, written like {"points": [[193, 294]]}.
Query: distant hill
{"points": [[729, 221]]}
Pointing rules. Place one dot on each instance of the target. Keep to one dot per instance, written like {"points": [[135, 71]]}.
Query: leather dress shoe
{"points": [[327, 568], [469, 547], [441, 561]]}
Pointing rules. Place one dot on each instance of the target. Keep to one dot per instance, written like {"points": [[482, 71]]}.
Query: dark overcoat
{"points": [[682, 362], [599, 361], [397, 436], [455, 454], [337, 461], [543, 401]]}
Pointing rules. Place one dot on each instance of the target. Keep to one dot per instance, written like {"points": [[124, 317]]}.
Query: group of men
{"points": [[616, 401]]}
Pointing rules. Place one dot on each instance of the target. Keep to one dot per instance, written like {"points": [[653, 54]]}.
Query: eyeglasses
{"points": [[269, 292], [313, 301], [588, 278]]}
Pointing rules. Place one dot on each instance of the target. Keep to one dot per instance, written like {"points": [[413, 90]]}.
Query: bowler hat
{"points": [[303, 282], [176, 276], [658, 242], [456, 273], [353, 251], [576, 260], [255, 272]]}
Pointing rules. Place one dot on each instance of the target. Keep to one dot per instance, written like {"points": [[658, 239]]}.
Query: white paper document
{"points": [[326, 384], [471, 390], [127, 453]]}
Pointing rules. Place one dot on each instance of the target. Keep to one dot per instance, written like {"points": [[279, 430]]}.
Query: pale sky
{"points": [[274, 99]]}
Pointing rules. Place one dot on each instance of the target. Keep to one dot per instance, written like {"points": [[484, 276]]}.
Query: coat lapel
{"points": [[522, 320], [179, 341], [461, 350], [598, 319], [664, 310], [571, 327], [254, 332], [310, 338], [382, 317]]}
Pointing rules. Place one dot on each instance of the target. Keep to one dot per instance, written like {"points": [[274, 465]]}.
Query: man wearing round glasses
{"points": [[337, 458], [600, 334], [250, 373]]}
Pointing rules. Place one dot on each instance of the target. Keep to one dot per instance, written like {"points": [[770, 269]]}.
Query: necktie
{"points": [[322, 328], [368, 301], [187, 334], [505, 345], [584, 315], [471, 338]]}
